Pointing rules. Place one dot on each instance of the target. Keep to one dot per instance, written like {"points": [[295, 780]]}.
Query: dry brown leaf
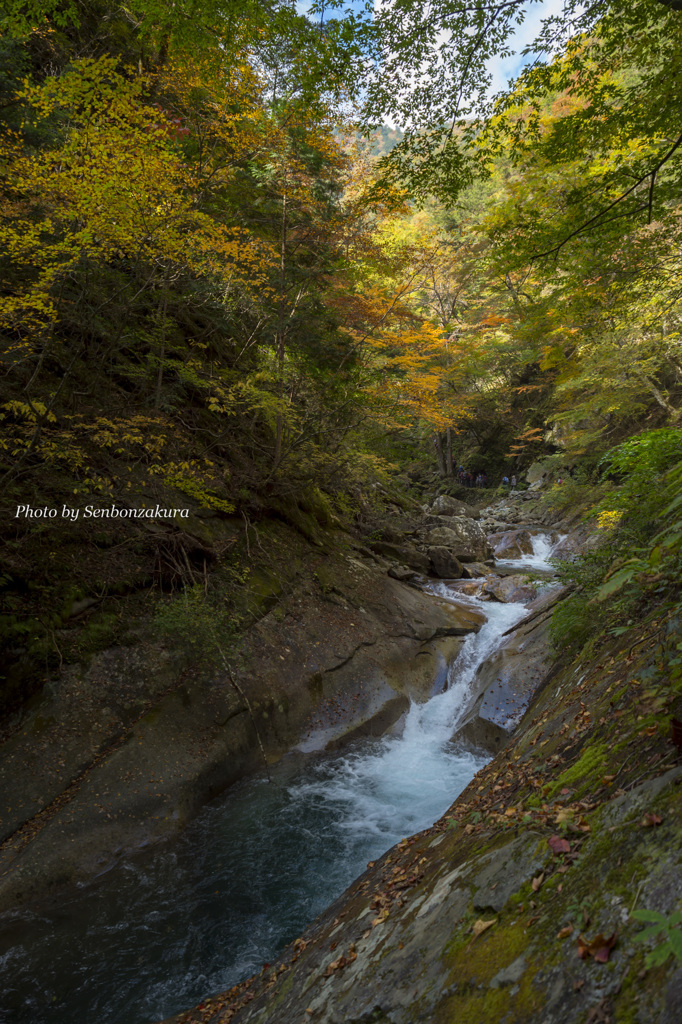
{"points": [[537, 882], [565, 932], [558, 845]]}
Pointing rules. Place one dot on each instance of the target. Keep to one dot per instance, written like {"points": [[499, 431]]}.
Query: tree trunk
{"points": [[448, 454], [440, 454], [279, 428]]}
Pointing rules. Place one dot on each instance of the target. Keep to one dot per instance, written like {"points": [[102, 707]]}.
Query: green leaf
{"points": [[618, 581], [649, 915], [659, 955], [675, 940], [650, 933], [673, 505]]}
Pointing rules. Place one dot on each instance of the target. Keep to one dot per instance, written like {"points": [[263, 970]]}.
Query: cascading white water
{"points": [[192, 917], [401, 784], [542, 551]]}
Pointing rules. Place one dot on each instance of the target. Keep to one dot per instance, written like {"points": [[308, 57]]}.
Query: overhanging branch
{"points": [[619, 199]]}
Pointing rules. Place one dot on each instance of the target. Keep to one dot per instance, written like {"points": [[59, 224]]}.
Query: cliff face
{"points": [[517, 905]]}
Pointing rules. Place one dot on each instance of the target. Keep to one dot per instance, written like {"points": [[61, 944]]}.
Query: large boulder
{"points": [[464, 537], [447, 521], [476, 570], [508, 589], [444, 563], [511, 544], [444, 505], [539, 475]]}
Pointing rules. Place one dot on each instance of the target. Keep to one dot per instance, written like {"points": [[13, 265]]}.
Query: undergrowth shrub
{"points": [[638, 565], [197, 625]]}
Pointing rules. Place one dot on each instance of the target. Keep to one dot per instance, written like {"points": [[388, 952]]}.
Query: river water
{"points": [[162, 930]]}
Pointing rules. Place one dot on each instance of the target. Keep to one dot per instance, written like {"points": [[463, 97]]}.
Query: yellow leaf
{"points": [[481, 926]]}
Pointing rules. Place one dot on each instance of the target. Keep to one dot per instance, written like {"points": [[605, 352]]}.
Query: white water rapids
{"points": [[191, 917]]}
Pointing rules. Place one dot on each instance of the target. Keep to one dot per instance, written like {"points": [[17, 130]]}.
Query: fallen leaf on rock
{"points": [[343, 961], [558, 845], [565, 932], [577, 985], [532, 920], [537, 882], [599, 948], [481, 926], [650, 820]]}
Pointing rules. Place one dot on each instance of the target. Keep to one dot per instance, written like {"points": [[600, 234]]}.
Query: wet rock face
{"points": [[464, 538], [576, 542], [507, 682], [511, 544]]}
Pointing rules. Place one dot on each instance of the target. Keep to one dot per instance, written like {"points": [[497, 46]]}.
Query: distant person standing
{"points": [[505, 481], [513, 482]]}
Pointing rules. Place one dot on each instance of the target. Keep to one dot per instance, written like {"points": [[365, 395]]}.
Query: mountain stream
{"points": [[194, 915]]}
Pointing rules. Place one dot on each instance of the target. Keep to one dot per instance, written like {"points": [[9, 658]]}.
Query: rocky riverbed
{"points": [[518, 903]]}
